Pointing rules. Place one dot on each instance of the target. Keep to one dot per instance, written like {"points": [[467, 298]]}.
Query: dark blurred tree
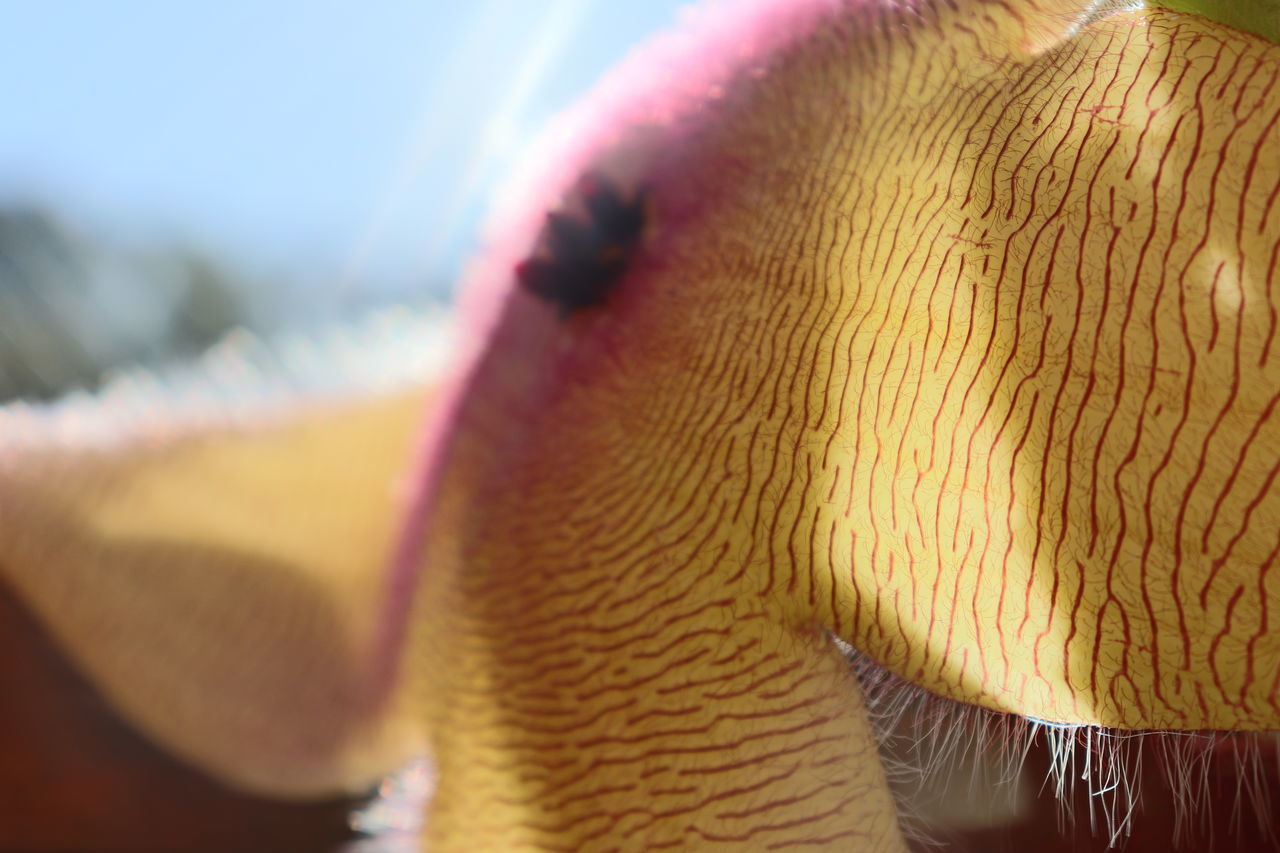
{"points": [[211, 304], [72, 309]]}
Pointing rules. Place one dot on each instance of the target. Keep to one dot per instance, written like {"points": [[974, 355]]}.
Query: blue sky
{"points": [[348, 144]]}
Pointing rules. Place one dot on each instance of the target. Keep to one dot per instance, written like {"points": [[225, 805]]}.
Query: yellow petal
{"points": [[951, 334], [223, 587]]}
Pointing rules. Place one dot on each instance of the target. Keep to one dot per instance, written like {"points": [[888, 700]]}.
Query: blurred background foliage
{"points": [[71, 308]]}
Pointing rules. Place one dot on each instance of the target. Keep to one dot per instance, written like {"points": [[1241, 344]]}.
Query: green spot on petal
{"points": [[1261, 17]]}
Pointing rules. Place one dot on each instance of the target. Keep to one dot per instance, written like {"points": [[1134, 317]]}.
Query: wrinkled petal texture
{"points": [[952, 334]]}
